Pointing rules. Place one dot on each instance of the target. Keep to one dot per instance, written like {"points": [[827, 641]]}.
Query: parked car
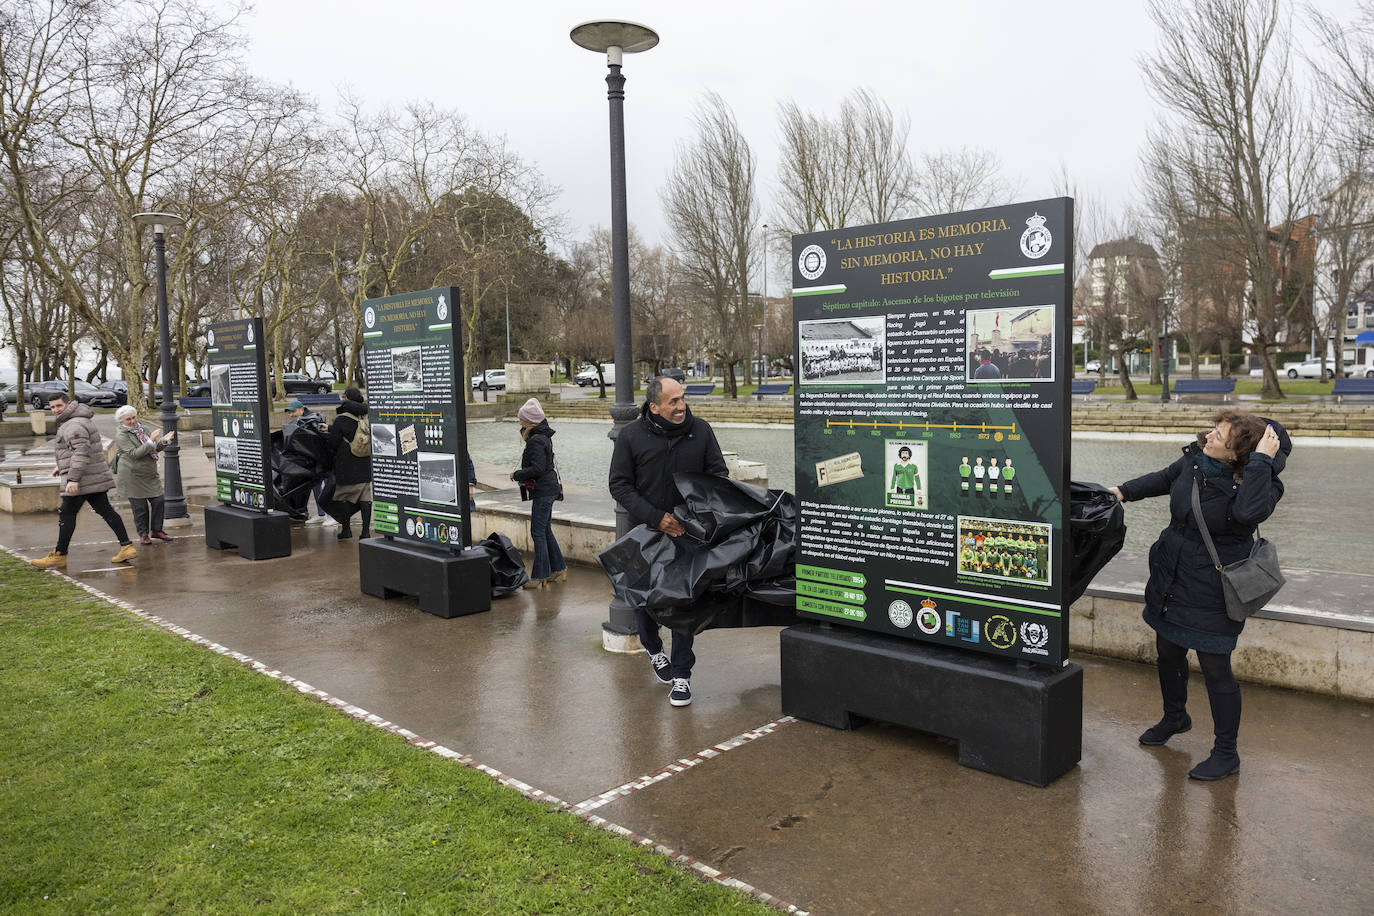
{"points": [[495, 381], [86, 393], [152, 393], [9, 393], [677, 375], [200, 388], [588, 375], [1309, 368], [1094, 365], [296, 383]]}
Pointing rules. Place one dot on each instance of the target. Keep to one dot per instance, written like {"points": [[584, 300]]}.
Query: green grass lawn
{"points": [[140, 773]]}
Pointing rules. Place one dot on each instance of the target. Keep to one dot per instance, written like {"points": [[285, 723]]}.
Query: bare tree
{"points": [[1344, 273], [712, 213], [819, 172], [947, 181], [1245, 140]]}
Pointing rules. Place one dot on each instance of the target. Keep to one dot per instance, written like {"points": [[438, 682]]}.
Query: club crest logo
{"points": [[442, 310], [210, 338], [250, 333], [370, 316], [236, 427], [1000, 631], [811, 261], [1034, 637], [899, 612], [928, 619], [1036, 240]]}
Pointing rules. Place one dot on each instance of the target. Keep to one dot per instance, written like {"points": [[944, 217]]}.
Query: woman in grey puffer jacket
{"points": [[86, 478]]}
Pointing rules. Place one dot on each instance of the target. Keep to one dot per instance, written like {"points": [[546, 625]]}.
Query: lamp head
{"points": [[615, 37], [160, 222]]}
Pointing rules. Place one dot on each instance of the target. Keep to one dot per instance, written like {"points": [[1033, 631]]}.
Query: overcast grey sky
{"points": [[1036, 82]]}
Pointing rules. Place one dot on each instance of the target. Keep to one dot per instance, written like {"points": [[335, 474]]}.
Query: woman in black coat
{"points": [[1236, 466], [352, 473], [539, 476]]}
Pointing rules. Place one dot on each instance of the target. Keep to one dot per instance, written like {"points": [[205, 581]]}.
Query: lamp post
{"points": [[1164, 349], [507, 321], [616, 38], [173, 497], [765, 296]]}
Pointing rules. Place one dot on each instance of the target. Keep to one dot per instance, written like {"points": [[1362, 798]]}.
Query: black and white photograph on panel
{"points": [[438, 478], [227, 455], [1010, 344], [221, 395], [384, 439], [407, 373], [843, 351]]}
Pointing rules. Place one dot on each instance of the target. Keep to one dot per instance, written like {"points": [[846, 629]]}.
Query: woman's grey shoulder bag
{"points": [[1247, 584]]}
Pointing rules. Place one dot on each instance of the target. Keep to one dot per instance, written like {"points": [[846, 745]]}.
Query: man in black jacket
{"points": [[664, 440]]}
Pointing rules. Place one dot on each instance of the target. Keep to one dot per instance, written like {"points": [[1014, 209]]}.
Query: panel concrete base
{"points": [[1010, 718], [257, 536], [447, 584]]}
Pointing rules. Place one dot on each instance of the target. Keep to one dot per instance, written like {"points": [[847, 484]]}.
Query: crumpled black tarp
{"points": [[507, 565], [298, 460], [738, 534], [1097, 529]]}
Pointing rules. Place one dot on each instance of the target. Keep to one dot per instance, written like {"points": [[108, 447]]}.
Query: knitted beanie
{"points": [[531, 412]]}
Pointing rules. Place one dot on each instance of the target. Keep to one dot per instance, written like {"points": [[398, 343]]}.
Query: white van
{"points": [[588, 375], [1358, 362]]}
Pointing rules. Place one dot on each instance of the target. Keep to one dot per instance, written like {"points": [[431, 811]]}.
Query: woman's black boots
{"points": [[1173, 687], [1226, 719]]}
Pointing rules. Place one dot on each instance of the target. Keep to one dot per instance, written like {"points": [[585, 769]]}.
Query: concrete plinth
{"points": [[1010, 718], [448, 585], [257, 536], [38, 496]]}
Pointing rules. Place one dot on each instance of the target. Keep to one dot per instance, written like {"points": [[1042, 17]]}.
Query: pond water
{"points": [[1325, 521]]}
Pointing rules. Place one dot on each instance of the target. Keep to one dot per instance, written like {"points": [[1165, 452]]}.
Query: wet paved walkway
{"points": [[878, 820]]}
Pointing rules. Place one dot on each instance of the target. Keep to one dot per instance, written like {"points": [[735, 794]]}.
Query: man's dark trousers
{"points": [[681, 658]]}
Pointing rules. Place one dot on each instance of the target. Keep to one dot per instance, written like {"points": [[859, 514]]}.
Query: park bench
{"points": [[698, 390], [331, 398], [1221, 386], [773, 388], [1352, 387], [1084, 386], [194, 403]]}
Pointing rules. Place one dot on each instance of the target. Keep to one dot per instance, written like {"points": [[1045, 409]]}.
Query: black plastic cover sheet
{"points": [[298, 461], [1097, 529], [736, 534], [508, 573]]}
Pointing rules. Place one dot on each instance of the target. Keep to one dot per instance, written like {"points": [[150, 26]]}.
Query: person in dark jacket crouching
{"points": [[539, 476], [1236, 466], [352, 473], [664, 440]]}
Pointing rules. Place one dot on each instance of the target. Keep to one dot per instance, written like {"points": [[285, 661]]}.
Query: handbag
{"points": [[1247, 584]]}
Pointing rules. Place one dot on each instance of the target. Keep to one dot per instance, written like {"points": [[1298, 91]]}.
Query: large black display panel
{"points": [[413, 353], [238, 386], [932, 427]]}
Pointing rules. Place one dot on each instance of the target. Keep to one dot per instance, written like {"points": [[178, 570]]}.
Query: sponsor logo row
{"points": [[998, 630]]}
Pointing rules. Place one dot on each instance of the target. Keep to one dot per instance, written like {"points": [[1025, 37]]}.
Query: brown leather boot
{"points": [[53, 560], [126, 553]]}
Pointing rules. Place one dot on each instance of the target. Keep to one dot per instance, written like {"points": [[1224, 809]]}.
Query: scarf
{"points": [[670, 429], [143, 439], [1212, 468]]}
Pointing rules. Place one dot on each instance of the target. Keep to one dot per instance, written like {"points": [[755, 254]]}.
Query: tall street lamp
{"points": [[617, 38], [765, 296], [173, 497]]}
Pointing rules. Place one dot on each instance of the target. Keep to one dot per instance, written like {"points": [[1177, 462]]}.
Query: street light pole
{"points": [[765, 296], [1164, 349], [507, 321], [615, 38], [173, 498]]}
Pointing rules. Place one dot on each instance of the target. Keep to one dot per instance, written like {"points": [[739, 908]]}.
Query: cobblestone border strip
{"points": [[584, 808], [700, 869]]}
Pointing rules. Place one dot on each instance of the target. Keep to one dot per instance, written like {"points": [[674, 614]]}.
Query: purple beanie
{"points": [[531, 412]]}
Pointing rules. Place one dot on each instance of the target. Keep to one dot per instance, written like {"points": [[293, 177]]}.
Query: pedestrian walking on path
{"points": [[136, 452], [664, 440], [85, 477], [1236, 467], [538, 479]]}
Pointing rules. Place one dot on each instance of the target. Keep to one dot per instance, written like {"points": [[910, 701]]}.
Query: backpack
{"points": [[361, 443], [112, 456]]}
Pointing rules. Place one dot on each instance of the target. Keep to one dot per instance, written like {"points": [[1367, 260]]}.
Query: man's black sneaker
{"points": [[661, 669], [681, 694]]}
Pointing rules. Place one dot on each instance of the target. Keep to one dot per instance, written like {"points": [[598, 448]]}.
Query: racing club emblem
{"points": [[928, 618], [1036, 240], [811, 261], [210, 337], [370, 316], [442, 310], [250, 333]]}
